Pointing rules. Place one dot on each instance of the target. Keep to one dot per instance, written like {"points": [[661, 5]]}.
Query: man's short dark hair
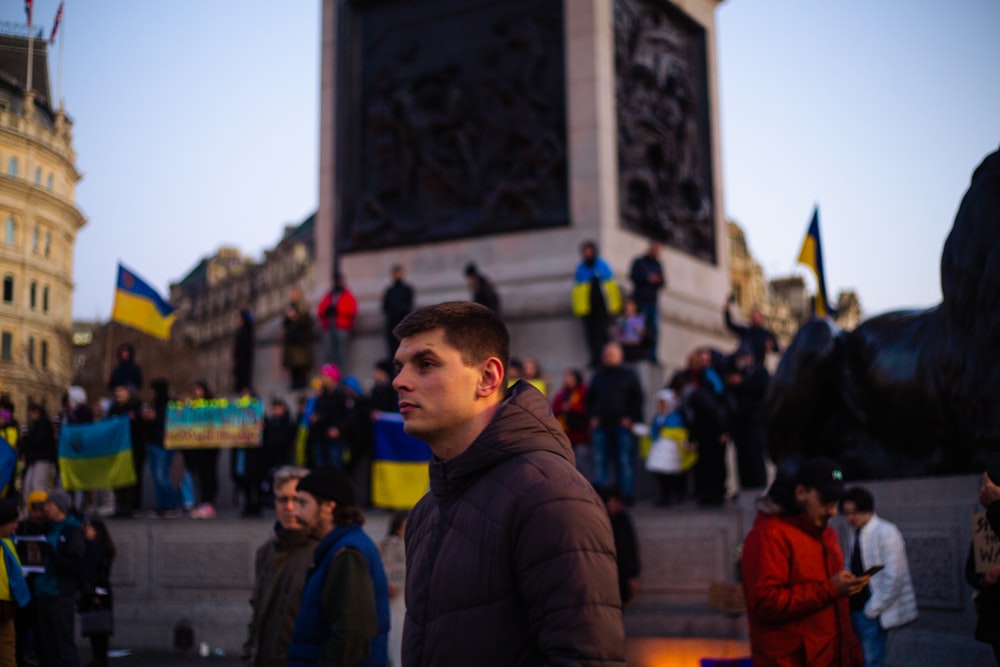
{"points": [[474, 330], [861, 497]]}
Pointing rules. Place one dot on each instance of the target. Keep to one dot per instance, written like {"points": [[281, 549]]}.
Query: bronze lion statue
{"points": [[907, 393]]}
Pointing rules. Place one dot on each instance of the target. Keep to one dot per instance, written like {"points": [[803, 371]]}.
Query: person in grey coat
{"points": [[510, 559]]}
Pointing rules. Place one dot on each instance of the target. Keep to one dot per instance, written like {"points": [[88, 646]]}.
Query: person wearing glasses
{"points": [[280, 576]]}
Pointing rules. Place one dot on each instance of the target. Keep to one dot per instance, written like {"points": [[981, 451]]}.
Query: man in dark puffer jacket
{"points": [[510, 559]]}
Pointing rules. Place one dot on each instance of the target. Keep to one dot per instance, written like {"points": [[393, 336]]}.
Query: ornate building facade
{"points": [[39, 222], [209, 298], [785, 302]]}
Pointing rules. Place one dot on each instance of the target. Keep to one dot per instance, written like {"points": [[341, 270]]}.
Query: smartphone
{"points": [[993, 466], [872, 570]]}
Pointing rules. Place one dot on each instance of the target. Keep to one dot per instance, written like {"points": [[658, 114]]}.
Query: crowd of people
{"points": [[523, 549]]}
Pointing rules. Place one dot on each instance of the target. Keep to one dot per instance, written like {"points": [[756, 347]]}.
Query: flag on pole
{"points": [[27, 10], [400, 476], [55, 23], [97, 455], [140, 307], [812, 256]]}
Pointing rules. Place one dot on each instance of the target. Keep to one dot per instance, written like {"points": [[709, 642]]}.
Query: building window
{"points": [[8, 289], [10, 231], [45, 354], [45, 299], [38, 175], [35, 237], [31, 351], [6, 346], [12, 167], [48, 183], [33, 295], [48, 243]]}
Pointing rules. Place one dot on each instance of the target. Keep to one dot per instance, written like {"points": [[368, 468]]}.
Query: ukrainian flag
{"points": [[399, 474], [96, 456], [140, 307], [812, 256], [8, 463]]}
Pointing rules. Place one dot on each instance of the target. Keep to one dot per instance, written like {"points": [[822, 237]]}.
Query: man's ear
{"points": [[491, 380], [329, 506]]}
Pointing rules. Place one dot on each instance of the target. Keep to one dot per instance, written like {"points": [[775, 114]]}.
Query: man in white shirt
{"points": [[888, 601]]}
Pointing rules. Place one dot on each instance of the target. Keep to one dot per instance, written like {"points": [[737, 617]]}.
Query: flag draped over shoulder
{"points": [[96, 456], [812, 256], [399, 473], [8, 462], [140, 307]]}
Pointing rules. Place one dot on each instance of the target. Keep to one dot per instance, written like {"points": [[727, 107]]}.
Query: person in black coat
{"points": [[747, 384], [95, 593], [626, 545], [397, 302], [243, 345], [37, 447], [127, 373], [128, 499]]}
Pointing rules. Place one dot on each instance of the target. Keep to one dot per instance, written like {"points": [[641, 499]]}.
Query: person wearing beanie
{"points": [[30, 553], [794, 580], [330, 422], [343, 618], [56, 588], [13, 587]]}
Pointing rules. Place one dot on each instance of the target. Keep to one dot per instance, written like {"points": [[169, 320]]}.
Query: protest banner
{"points": [[218, 422], [985, 544]]}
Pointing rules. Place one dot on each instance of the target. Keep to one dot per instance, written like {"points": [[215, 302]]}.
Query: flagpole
{"points": [[31, 51], [62, 42]]}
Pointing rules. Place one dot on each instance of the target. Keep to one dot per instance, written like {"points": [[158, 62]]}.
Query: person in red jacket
{"points": [[336, 312], [794, 579]]}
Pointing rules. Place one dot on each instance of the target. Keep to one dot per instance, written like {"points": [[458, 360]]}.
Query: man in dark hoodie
{"points": [[510, 559], [127, 373]]}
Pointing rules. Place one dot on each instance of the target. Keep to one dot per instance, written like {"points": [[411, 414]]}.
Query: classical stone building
{"points": [[208, 300], [785, 302], [39, 222]]}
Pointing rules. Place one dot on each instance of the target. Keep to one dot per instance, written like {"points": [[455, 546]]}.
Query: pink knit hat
{"points": [[331, 371]]}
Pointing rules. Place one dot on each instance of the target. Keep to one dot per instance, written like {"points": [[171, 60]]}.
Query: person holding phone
{"points": [[888, 600], [794, 580]]}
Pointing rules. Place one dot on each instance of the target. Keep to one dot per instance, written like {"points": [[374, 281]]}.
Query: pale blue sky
{"points": [[197, 126]]}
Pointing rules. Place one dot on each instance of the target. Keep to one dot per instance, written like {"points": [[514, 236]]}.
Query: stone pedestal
{"points": [[533, 268]]}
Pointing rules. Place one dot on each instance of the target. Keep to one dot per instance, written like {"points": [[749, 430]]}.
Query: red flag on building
{"points": [[55, 23], [27, 10]]}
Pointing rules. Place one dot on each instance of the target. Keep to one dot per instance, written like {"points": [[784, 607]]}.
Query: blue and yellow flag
{"points": [[140, 307], [8, 462], [399, 473], [96, 456], [812, 256]]}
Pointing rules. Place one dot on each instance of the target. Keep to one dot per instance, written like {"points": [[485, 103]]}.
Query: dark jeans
{"points": [[872, 638], [55, 621], [204, 465]]}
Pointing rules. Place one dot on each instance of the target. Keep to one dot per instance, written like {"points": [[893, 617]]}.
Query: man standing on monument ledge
{"points": [[510, 559]]}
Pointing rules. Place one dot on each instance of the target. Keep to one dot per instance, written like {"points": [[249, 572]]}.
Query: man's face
{"points": [[855, 519], [756, 318], [285, 505], [437, 391], [315, 516], [612, 355], [52, 513], [587, 252], [7, 529], [814, 507], [37, 513]]}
